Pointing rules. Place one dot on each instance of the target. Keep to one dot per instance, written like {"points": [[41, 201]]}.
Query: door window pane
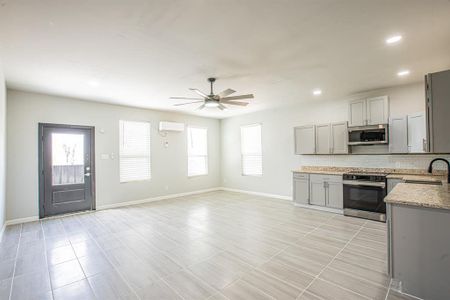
{"points": [[67, 158]]}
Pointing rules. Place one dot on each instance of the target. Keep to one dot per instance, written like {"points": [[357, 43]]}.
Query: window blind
{"points": [[251, 149], [134, 149], [197, 151]]}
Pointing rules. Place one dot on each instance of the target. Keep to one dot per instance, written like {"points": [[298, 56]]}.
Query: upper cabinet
{"points": [[321, 139], [357, 113], [417, 133], [339, 138], [371, 111], [407, 134], [305, 139]]}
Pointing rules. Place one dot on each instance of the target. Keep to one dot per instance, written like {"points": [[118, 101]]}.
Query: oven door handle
{"points": [[359, 183]]}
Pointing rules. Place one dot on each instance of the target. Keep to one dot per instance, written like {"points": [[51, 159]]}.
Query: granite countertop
{"points": [[405, 174], [421, 195], [424, 177]]}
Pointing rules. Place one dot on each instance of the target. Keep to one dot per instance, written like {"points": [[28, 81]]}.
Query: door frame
{"points": [[42, 126]]}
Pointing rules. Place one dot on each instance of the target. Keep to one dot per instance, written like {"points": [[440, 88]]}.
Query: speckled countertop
{"points": [[421, 195], [393, 173]]}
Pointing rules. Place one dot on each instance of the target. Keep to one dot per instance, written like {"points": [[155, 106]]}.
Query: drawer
{"points": [[326, 177], [301, 176]]}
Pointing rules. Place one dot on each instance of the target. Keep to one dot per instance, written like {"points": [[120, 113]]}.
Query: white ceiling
{"points": [[140, 52]]}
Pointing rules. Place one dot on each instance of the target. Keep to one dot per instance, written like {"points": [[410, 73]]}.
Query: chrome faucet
{"points": [[430, 167]]}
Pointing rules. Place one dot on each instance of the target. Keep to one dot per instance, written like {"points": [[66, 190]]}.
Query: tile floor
{"points": [[218, 245]]}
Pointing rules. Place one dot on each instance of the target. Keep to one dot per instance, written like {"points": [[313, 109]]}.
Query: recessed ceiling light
{"points": [[93, 83], [317, 92], [403, 73], [393, 39]]}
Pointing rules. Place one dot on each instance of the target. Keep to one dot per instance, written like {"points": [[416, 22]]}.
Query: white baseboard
{"points": [[153, 199], [289, 198], [21, 220]]}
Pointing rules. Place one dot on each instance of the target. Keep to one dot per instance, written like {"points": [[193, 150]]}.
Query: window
{"points": [[134, 151], [197, 151], [251, 149]]}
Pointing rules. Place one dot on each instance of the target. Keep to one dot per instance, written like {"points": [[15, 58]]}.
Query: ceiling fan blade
{"points": [[201, 107], [222, 107], [249, 96], [185, 98], [226, 93], [200, 93], [179, 104], [235, 103]]}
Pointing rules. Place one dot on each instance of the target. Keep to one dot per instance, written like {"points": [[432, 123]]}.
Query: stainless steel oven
{"points": [[364, 196], [368, 135]]}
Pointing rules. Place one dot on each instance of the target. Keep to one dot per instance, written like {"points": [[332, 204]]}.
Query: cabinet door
{"points": [[357, 113], [416, 133], [335, 195], [323, 139], [339, 138], [317, 193], [377, 110], [398, 135], [301, 191], [305, 141]]}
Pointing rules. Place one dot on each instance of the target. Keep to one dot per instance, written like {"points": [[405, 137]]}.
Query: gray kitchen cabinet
{"points": [[357, 113], [323, 139], [335, 192], [377, 110], [339, 138], [398, 134], [326, 190], [317, 191], [301, 188], [392, 182], [416, 133], [438, 112], [305, 139], [371, 111]]}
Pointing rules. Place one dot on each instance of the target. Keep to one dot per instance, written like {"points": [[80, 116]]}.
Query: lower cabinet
{"points": [[335, 191], [317, 193], [301, 188], [326, 190], [318, 190]]}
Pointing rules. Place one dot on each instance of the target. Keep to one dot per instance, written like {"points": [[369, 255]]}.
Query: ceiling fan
{"points": [[215, 100]]}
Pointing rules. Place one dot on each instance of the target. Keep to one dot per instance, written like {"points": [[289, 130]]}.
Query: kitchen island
{"points": [[418, 218]]}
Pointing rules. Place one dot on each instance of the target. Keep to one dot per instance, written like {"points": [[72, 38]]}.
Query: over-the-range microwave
{"points": [[368, 135]]}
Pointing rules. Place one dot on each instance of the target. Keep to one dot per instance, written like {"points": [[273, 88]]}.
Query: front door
{"points": [[66, 169]]}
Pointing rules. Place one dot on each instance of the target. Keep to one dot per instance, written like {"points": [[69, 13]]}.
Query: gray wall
{"points": [[169, 165], [278, 141], [2, 146]]}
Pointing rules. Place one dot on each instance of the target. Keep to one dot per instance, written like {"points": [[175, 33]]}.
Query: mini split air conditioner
{"points": [[171, 126]]}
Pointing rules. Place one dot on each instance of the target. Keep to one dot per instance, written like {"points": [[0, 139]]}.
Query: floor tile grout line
{"points": [[332, 262], [15, 263], [109, 261], [46, 257]]}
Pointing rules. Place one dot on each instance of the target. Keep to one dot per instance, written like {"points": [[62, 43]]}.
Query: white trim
{"points": [[21, 220], [321, 208], [289, 198], [107, 206], [3, 230], [153, 199]]}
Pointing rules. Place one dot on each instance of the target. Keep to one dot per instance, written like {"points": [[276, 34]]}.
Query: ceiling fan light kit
{"points": [[215, 100]]}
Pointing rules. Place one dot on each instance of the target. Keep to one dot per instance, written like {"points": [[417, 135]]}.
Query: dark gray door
{"points": [[66, 169]]}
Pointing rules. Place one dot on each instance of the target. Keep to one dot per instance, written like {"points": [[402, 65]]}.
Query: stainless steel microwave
{"points": [[368, 135]]}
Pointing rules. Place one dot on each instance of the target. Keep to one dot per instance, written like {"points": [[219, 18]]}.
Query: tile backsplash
{"points": [[373, 161]]}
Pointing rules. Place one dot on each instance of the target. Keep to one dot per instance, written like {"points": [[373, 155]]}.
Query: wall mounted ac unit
{"points": [[171, 126]]}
